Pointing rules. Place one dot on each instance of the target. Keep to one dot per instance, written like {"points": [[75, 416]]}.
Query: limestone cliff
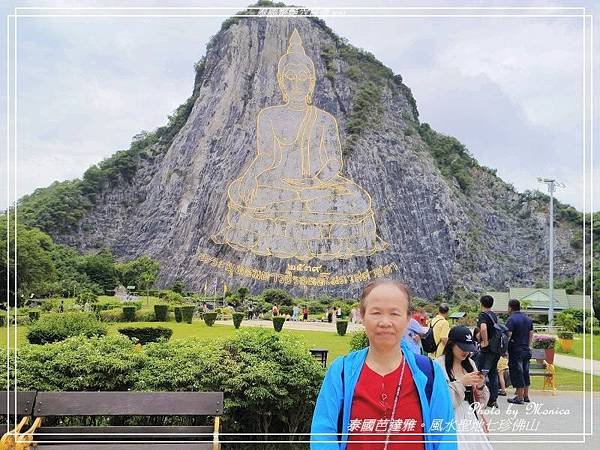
{"points": [[444, 231]]}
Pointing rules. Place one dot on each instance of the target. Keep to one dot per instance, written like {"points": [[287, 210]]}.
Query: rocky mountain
{"points": [[448, 222]]}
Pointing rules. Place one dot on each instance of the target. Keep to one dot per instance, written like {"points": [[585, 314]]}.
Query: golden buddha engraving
{"points": [[292, 201]]}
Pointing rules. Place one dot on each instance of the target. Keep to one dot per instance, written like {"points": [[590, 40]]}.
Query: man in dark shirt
{"points": [[521, 333], [488, 360]]}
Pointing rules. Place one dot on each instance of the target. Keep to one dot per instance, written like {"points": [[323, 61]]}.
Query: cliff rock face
{"points": [[439, 237]]}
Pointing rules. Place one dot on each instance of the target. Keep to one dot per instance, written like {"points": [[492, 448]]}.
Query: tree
{"points": [[277, 296], [132, 273], [100, 268], [34, 266], [178, 286]]}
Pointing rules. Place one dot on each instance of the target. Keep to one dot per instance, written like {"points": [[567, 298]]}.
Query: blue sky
{"points": [[510, 89]]}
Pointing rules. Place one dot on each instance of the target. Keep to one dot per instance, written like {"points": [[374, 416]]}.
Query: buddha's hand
{"points": [[247, 190], [308, 182]]}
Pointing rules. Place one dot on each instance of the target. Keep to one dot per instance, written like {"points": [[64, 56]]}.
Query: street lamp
{"points": [[552, 185]]}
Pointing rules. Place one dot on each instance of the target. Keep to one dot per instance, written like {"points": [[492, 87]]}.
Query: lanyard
{"points": [[387, 436]]}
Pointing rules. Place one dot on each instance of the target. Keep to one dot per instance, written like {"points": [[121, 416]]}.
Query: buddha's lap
{"points": [[303, 225]]}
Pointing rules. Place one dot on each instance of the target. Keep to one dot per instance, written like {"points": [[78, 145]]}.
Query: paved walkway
{"points": [[553, 421], [576, 363]]}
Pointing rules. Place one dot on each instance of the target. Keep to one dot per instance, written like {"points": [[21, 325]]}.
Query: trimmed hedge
{"points": [[209, 318], [187, 313], [161, 312], [341, 326], [111, 315], [145, 316], [359, 341], [264, 375], [147, 334], [129, 313], [55, 327], [177, 311], [237, 319], [278, 323]]}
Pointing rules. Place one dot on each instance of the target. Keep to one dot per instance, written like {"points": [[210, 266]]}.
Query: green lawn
{"points": [[592, 346], [567, 380]]}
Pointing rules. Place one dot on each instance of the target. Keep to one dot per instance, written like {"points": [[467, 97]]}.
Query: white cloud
{"points": [[510, 89]]}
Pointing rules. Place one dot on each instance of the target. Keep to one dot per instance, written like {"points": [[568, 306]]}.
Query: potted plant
{"points": [[565, 340], [547, 343]]}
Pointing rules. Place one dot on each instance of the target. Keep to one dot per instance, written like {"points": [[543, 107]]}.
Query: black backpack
{"points": [[498, 342], [428, 341]]}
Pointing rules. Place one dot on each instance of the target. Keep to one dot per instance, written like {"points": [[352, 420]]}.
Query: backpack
{"points": [[498, 342], [428, 340]]}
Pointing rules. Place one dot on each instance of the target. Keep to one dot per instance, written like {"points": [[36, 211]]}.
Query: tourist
{"points": [[305, 313], [353, 315], [412, 335], [250, 312], [520, 332], [380, 389], [440, 327], [295, 312], [467, 389], [329, 315], [502, 368], [275, 310], [338, 313], [488, 359]]}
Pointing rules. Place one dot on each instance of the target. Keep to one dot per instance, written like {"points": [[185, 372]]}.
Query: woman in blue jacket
{"points": [[384, 397]]}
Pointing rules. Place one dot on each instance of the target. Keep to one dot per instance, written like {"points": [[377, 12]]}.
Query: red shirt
{"points": [[371, 412]]}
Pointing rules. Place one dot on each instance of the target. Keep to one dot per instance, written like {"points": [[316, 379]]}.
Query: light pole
{"points": [[552, 185]]}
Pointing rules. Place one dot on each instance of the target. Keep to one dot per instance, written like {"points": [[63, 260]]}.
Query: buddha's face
{"points": [[297, 82]]}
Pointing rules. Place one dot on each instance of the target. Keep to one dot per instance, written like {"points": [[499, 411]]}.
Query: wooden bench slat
{"points": [[153, 446], [25, 400], [128, 404], [125, 433]]}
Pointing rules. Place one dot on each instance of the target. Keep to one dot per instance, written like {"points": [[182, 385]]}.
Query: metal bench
{"points": [[24, 410], [129, 437], [543, 369]]}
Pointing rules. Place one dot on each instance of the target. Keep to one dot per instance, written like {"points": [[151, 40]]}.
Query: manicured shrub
{"points": [[341, 326], [34, 315], [161, 312], [111, 315], [137, 304], [129, 313], [55, 327], [269, 379], [108, 363], [359, 341], [177, 311], [147, 334], [237, 319], [209, 318], [106, 304], [145, 316], [187, 313], [278, 323], [565, 335]]}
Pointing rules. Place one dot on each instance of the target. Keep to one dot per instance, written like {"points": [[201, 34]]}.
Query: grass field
{"points": [[592, 346], [567, 380]]}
